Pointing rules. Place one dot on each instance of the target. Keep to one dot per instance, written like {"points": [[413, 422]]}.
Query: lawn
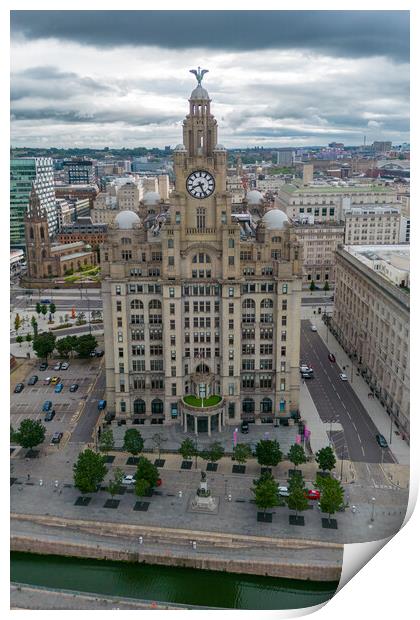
{"points": [[206, 402]]}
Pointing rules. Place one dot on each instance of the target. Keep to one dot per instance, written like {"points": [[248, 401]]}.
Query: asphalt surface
{"points": [[90, 413], [337, 402]]}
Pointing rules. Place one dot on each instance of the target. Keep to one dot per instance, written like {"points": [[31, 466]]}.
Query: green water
{"points": [[167, 584]]}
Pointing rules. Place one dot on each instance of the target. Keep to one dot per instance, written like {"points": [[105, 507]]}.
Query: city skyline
{"points": [[277, 79]]}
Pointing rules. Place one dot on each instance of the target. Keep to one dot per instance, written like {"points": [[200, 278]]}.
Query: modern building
{"points": [[17, 262], [201, 306], [372, 321], [381, 147], [79, 172], [372, 225], [285, 157], [23, 173]]}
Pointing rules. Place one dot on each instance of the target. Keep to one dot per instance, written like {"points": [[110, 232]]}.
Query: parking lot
{"points": [[67, 405]]}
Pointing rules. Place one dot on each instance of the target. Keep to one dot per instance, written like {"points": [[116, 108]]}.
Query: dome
{"points": [[151, 198], [219, 147], [180, 147], [275, 219], [126, 219], [254, 197], [199, 93]]}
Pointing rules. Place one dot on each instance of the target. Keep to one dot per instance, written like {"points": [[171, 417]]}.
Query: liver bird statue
{"points": [[199, 74]]}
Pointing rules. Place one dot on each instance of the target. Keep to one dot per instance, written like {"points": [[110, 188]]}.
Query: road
{"points": [[336, 401], [90, 413]]}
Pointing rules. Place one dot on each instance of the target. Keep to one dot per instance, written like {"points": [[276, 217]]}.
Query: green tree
{"points": [[241, 452], [142, 487], [265, 491], [114, 484], [325, 458], [297, 499], [297, 455], [19, 340], [65, 345], [133, 441], [88, 471], [52, 308], [44, 344], [187, 449], [30, 433], [34, 324], [85, 345], [28, 337], [326, 286], [147, 471], [38, 308], [44, 309], [18, 323], [332, 495], [268, 452], [214, 452], [106, 443], [158, 440], [312, 286]]}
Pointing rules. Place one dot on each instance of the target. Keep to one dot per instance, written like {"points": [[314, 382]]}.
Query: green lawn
{"points": [[207, 402]]}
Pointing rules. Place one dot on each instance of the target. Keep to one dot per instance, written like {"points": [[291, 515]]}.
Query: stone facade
{"points": [[319, 243], [199, 302]]}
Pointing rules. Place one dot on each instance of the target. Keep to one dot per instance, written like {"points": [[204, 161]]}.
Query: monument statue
{"points": [[199, 74]]}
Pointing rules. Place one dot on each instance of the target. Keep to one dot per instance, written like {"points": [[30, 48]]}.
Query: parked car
{"points": [[55, 380], [19, 387], [99, 352], [57, 366], [305, 368], [313, 328], [65, 365], [45, 301], [331, 357], [307, 375], [47, 381], [283, 491], [43, 366], [47, 405], [74, 387], [33, 380], [58, 388], [101, 405], [49, 415], [56, 438], [343, 376], [129, 479], [244, 427], [313, 494], [381, 440]]}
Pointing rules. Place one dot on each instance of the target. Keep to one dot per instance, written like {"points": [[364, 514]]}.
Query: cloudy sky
{"points": [[276, 78]]}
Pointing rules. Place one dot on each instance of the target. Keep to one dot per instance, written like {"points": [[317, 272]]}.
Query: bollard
{"points": [[179, 494], [140, 540], [229, 497], [194, 544]]}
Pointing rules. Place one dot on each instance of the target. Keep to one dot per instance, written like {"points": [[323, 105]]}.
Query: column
{"points": [[209, 425], [219, 420], [185, 414], [195, 426]]}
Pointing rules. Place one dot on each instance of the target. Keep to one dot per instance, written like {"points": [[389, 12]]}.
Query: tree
{"points": [[297, 499], [265, 491], [85, 345], [28, 337], [34, 324], [326, 286], [44, 344], [19, 339], [38, 308], [325, 458], [147, 471], [106, 442], [297, 455], [44, 309], [142, 487], [187, 449], [241, 452], [214, 452], [30, 433], [65, 345], [52, 308], [268, 452], [18, 323], [89, 471], [332, 495], [133, 441], [312, 286], [158, 440], [114, 484]]}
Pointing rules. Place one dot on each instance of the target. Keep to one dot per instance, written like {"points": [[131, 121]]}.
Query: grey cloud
{"points": [[352, 34]]}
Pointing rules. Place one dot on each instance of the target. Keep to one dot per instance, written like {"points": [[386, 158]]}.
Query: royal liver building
{"points": [[201, 306]]}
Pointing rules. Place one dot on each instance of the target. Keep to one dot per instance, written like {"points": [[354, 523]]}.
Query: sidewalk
{"points": [[376, 412]]}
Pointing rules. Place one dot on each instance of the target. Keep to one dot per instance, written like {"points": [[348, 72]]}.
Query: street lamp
{"points": [[342, 459], [372, 518]]}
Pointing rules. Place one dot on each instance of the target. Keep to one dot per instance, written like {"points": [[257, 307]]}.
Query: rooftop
{"points": [[333, 189], [66, 246], [392, 262]]}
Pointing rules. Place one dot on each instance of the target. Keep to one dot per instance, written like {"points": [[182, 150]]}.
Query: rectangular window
{"points": [[120, 352], [231, 374], [118, 306], [231, 260], [171, 261], [231, 292]]}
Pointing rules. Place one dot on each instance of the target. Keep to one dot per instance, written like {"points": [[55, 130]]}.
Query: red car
{"points": [[331, 357], [313, 494]]}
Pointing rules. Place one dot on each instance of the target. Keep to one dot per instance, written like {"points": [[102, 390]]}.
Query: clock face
{"points": [[200, 184]]}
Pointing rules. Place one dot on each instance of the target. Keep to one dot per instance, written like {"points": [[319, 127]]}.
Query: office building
{"points": [[79, 172]]}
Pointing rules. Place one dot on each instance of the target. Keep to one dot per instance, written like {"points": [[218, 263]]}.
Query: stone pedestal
{"points": [[203, 501]]}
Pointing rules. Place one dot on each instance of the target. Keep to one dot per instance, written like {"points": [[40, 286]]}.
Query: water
{"points": [[168, 584]]}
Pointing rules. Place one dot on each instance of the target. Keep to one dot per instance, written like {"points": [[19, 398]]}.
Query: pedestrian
{"points": [[29, 477]]}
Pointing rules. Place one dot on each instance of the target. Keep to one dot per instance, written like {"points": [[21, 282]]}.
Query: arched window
{"points": [[49, 270], [157, 406], [44, 254], [136, 304], [248, 303], [266, 303], [266, 405], [155, 304], [42, 232], [203, 369], [31, 232], [248, 405], [139, 406]]}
